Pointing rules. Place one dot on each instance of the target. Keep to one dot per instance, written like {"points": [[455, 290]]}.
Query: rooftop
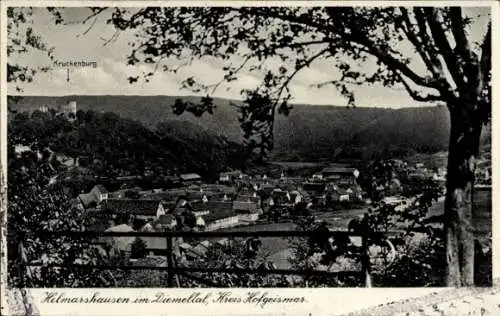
{"points": [[190, 176], [101, 188], [217, 215], [316, 187], [132, 206], [339, 170], [247, 198], [166, 219], [245, 206]]}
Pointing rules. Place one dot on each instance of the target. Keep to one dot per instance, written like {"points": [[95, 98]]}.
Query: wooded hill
{"points": [[309, 133], [112, 146]]}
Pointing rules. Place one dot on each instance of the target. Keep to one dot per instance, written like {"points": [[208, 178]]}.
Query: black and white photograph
{"points": [[248, 146]]}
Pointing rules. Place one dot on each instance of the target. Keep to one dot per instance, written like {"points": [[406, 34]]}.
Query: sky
{"points": [[110, 75]]}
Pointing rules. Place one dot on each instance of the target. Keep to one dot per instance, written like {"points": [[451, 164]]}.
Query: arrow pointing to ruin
{"points": [[67, 75]]}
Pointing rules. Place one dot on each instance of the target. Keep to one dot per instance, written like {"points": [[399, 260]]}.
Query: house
{"points": [[200, 222], [265, 191], [190, 178], [398, 202], [230, 176], [298, 196], [200, 209], [168, 206], [294, 180], [219, 220], [221, 216], [86, 201], [314, 189], [130, 180], [248, 198], [281, 197], [118, 194], [248, 212], [417, 176], [343, 195], [97, 195], [198, 195], [335, 173], [172, 181], [354, 191], [165, 222], [214, 206], [398, 163], [141, 209], [441, 172], [168, 195], [245, 206], [100, 192]]}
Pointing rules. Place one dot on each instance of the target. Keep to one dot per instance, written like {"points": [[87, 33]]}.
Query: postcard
{"points": [[248, 158]]}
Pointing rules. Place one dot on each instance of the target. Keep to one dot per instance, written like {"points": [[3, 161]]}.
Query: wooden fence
{"points": [[173, 270]]}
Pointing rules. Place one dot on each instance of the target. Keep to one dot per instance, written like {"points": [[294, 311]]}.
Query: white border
{"points": [[321, 301]]}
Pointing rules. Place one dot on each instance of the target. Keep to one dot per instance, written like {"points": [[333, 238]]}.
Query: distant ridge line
{"points": [[381, 107]]}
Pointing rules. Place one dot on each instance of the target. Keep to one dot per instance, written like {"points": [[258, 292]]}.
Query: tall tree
{"points": [[457, 72]]}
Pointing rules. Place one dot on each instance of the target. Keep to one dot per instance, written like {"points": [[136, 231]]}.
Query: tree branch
{"points": [[396, 65], [228, 77], [305, 64], [436, 23], [428, 42], [417, 95], [457, 27], [94, 14], [433, 65], [469, 58], [359, 38]]}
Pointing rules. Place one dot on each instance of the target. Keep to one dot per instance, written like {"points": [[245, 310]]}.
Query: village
{"points": [[236, 201]]}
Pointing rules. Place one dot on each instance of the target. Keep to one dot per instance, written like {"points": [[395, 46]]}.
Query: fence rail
{"points": [[173, 270], [208, 234]]}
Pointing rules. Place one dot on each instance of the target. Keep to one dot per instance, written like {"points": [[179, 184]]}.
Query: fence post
{"points": [[365, 259], [170, 276], [22, 261]]}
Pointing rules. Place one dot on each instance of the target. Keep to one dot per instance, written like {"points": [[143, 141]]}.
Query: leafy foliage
{"points": [[22, 38], [420, 244], [34, 206], [237, 254], [320, 252], [138, 249]]}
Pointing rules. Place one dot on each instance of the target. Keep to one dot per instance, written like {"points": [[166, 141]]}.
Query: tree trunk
{"points": [[463, 149]]}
